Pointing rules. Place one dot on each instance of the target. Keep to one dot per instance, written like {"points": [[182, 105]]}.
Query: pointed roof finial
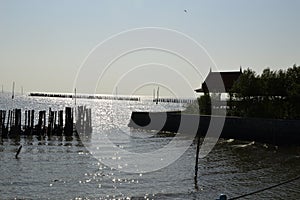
{"points": [[241, 69]]}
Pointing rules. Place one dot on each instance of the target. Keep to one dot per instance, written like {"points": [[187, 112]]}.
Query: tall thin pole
{"points": [[75, 113], [154, 95], [75, 95], [157, 95], [13, 91], [22, 90], [196, 163]]}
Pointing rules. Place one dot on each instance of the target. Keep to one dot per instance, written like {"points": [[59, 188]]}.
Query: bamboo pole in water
{"points": [[32, 120], [68, 121], [13, 91], [154, 95], [75, 96], [196, 163], [157, 95]]}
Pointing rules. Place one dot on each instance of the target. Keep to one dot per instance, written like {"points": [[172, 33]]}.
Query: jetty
{"points": [[85, 96], [174, 100], [42, 123], [271, 131]]}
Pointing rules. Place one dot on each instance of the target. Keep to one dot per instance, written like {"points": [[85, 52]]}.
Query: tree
{"points": [[273, 94], [293, 92], [245, 94]]}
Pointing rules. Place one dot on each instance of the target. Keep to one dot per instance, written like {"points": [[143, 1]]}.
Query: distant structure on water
{"points": [[213, 85]]}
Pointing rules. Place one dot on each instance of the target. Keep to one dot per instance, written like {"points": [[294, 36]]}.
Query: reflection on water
{"points": [[62, 167]]}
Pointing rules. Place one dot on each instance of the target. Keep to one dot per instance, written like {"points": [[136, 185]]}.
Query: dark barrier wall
{"points": [[273, 131]]}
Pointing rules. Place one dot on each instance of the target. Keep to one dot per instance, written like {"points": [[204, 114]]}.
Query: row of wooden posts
{"points": [[58, 123]]}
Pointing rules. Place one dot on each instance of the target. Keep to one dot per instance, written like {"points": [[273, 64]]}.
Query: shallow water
{"points": [[62, 167]]}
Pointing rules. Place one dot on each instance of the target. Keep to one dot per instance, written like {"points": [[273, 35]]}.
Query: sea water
{"points": [[64, 168]]}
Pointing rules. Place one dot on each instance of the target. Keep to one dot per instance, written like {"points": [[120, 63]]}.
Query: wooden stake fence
{"points": [[56, 124]]}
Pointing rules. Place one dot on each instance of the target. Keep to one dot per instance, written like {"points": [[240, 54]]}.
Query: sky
{"points": [[54, 46]]}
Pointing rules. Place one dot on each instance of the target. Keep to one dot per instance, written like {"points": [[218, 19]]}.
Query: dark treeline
{"points": [[273, 94]]}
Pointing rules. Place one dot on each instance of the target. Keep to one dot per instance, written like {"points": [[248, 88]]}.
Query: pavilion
{"points": [[212, 85]]}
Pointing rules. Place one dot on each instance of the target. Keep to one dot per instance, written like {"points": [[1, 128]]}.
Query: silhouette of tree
{"points": [[273, 94]]}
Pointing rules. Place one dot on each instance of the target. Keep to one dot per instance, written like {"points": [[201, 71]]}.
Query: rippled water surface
{"points": [[63, 168]]}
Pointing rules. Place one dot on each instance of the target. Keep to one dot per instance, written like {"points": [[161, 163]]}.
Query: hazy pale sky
{"points": [[43, 43]]}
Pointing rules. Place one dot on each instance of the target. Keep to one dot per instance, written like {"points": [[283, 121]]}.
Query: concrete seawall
{"points": [[272, 131]]}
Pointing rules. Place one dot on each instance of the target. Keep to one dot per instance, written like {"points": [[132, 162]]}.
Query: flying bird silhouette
{"points": [[185, 11]]}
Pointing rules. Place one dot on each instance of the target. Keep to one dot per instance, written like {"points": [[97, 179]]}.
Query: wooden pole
{"points": [[60, 122], [68, 130], [54, 121], [157, 95], [50, 121], [25, 125], [75, 96], [196, 163], [44, 122], [32, 120], [3, 121], [154, 95], [90, 121], [79, 122], [18, 121], [1, 126], [28, 120], [13, 91], [40, 126], [11, 119], [8, 119]]}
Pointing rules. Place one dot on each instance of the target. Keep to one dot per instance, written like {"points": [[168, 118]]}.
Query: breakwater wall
{"points": [[61, 122], [81, 96], [272, 131], [173, 100]]}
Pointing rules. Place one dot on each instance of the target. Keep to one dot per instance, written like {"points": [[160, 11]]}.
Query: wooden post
{"points": [[75, 96], [8, 120], [79, 119], [68, 130], [196, 163], [86, 121], [157, 96], [44, 121], [28, 120], [13, 91], [50, 122], [88, 128], [41, 123], [32, 120], [25, 121], [60, 122], [54, 122], [18, 121], [11, 121], [1, 123]]}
